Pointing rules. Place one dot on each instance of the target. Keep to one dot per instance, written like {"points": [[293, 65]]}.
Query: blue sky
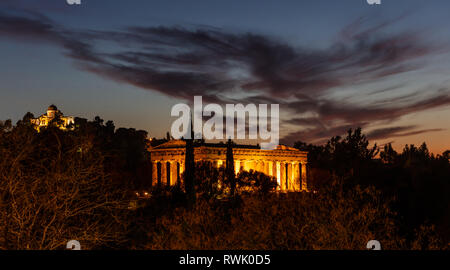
{"points": [[330, 64]]}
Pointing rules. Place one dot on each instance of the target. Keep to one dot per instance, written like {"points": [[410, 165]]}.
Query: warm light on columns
{"points": [[155, 173], [292, 184], [163, 172], [174, 173], [181, 168], [304, 176], [279, 174], [247, 165]]}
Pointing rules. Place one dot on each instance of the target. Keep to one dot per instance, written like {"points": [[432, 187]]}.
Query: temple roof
{"points": [[284, 147], [171, 144], [182, 144]]}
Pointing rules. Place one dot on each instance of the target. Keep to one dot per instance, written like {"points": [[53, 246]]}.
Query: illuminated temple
{"points": [[53, 114], [287, 164]]}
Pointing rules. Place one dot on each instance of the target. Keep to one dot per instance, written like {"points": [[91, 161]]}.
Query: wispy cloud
{"points": [[400, 131]]}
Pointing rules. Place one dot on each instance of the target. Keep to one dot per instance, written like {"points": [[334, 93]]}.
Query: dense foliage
{"points": [[80, 184], [56, 186], [418, 182]]}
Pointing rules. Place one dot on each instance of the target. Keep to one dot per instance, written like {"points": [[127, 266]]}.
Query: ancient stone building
{"points": [[287, 164], [52, 113]]}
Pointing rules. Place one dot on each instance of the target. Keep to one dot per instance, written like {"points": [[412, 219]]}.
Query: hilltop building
{"points": [[286, 164], [55, 115]]}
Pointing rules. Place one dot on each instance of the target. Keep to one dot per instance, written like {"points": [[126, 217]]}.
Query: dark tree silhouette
{"points": [[51, 192], [230, 174], [189, 173], [388, 155]]}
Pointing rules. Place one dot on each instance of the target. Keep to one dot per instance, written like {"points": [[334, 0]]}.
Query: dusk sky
{"points": [[331, 65]]}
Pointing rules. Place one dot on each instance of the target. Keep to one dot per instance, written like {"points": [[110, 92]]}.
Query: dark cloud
{"points": [[35, 28], [335, 118], [318, 135], [183, 62], [401, 131]]}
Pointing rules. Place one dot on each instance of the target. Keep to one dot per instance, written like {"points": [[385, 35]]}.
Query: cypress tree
{"points": [[189, 173], [229, 171]]}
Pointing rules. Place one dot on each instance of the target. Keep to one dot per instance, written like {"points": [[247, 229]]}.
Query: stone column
{"points": [[283, 176], [163, 172], [289, 177], [181, 167], [292, 176], [304, 176], [170, 173], [174, 172], [257, 166], [247, 165], [260, 166], [177, 179], [277, 167], [271, 170], [154, 173], [296, 176], [237, 166], [219, 163]]}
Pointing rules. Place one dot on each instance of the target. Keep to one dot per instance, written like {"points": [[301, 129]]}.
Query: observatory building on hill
{"points": [[52, 114]]}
